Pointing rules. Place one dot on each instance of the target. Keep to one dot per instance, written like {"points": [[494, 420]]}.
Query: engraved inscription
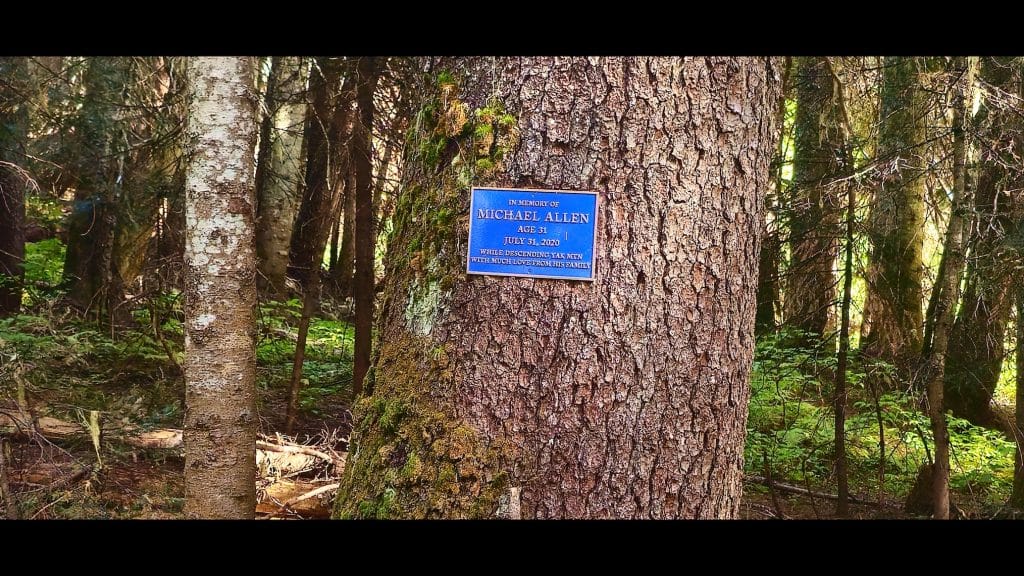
{"points": [[536, 233]]}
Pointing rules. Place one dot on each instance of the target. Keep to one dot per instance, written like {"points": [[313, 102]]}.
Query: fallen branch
{"points": [[312, 493], [295, 449], [804, 491], [20, 423], [304, 499], [284, 459]]}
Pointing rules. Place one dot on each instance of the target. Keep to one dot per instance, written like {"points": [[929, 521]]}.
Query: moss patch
{"points": [[410, 457], [450, 147]]}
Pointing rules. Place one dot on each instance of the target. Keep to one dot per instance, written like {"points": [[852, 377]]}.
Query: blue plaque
{"points": [[533, 233]]}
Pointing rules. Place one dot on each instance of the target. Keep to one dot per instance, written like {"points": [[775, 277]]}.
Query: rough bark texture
{"points": [[279, 172], [220, 292], [976, 344], [625, 397], [13, 182], [814, 200], [326, 151], [893, 315], [366, 235]]}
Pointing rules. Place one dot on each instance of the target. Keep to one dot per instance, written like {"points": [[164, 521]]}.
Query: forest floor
{"points": [[62, 367], [56, 366]]}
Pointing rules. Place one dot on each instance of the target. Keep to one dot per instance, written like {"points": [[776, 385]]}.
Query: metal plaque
{"points": [[532, 233]]}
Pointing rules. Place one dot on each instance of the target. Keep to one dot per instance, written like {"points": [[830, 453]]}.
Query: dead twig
{"points": [[295, 449], [311, 494]]}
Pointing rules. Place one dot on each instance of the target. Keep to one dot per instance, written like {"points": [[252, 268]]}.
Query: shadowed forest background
{"points": [[889, 284]]}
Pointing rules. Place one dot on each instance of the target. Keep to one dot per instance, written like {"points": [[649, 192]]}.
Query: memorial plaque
{"points": [[532, 233]]}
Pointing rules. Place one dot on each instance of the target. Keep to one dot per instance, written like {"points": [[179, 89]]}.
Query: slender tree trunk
{"points": [[625, 397], [366, 236], [385, 163], [171, 240], [148, 165], [343, 272], [13, 181], [768, 297], [89, 272], [814, 201], [335, 234], [279, 171], [933, 365], [839, 399], [976, 348], [309, 303], [10, 505], [893, 316], [326, 155], [1017, 496], [220, 292]]}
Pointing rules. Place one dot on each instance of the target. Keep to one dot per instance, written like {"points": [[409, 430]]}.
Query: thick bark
{"points": [[976, 348], [624, 397], [893, 315], [814, 201], [326, 154], [13, 181], [220, 292], [89, 268], [365, 216], [279, 171]]}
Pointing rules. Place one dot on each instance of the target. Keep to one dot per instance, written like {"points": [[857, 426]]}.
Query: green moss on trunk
{"points": [[411, 457]]}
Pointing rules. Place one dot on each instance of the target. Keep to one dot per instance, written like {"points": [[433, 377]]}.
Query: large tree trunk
{"points": [[976, 348], [326, 153], [625, 397], [366, 235], [279, 172], [13, 181], [814, 201], [893, 315], [220, 292]]}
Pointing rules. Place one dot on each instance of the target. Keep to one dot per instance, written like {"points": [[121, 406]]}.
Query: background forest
{"points": [[889, 288]]}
